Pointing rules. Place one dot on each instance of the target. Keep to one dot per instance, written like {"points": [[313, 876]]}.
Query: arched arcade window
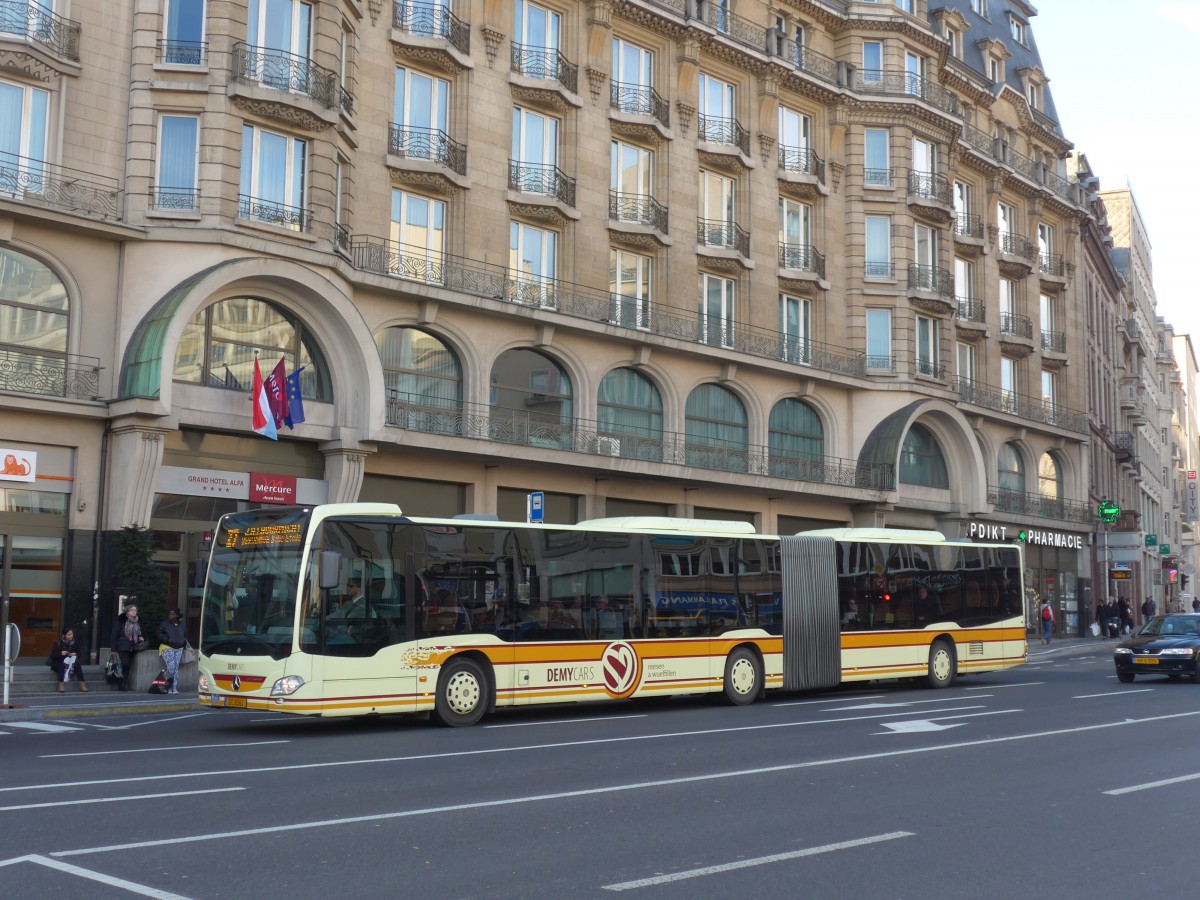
{"points": [[629, 413], [718, 433], [1010, 469], [796, 440], [34, 320], [419, 369], [218, 346], [1050, 484], [921, 459], [531, 399]]}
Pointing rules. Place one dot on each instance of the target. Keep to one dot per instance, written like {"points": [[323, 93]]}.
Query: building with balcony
{"points": [[451, 220]]}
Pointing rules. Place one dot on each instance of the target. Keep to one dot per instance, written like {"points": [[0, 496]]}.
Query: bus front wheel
{"points": [[461, 693], [743, 677], [941, 665]]}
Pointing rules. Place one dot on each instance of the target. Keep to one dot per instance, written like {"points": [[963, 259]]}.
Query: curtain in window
{"points": [[177, 162], [795, 430], [419, 368], [629, 403], [921, 460], [1011, 469]]}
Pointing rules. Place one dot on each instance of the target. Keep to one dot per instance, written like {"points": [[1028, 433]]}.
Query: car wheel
{"points": [[461, 693], [1196, 674], [743, 677], [941, 665], [1125, 677]]}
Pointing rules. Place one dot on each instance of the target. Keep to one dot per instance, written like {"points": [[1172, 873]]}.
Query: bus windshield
{"points": [[250, 594]]}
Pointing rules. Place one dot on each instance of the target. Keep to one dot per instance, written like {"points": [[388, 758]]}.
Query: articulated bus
{"points": [[356, 609]]}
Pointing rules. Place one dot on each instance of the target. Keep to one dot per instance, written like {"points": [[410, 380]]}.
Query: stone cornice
{"points": [[649, 18]]}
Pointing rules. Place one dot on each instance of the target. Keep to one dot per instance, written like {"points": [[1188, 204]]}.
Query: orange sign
{"points": [[17, 465]]}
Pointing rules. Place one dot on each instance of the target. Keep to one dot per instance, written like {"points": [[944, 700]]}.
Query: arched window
{"points": [[33, 326], [1011, 470], [796, 440], [1050, 485], [419, 371], [531, 400], [629, 414], [218, 346], [921, 460], [717, 429]]}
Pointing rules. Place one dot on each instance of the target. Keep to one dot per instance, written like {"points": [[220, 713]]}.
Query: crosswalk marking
{"points": [[40, 726]]}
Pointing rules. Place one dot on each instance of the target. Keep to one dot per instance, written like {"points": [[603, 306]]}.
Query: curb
{"points": [[94, 710]]}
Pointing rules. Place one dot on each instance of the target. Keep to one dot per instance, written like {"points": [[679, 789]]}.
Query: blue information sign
{"points": [[535, 506]]}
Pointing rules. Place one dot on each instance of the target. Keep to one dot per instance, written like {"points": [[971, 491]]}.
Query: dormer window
{"points": [[995, 70], [979, 7], [1017, 27], [954, 39]]}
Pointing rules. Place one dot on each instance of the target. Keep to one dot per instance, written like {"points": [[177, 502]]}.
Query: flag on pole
{"points": [[264, 422], [295, 413], [277, 395]]}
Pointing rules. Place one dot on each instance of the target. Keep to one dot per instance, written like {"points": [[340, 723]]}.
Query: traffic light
{"points": [[1183, 580]]}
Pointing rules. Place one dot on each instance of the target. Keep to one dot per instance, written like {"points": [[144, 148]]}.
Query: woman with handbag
{"points": [[172, 638], [65, 662], [127, 639]]}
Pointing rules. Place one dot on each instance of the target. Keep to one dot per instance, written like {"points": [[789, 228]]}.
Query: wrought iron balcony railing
{"points": [[549, 430], [1019, 163], [968, 225], [545, 63], [1018, 245], [385, 257], [802, 257], [899, 83], [1051, 264], [930, 368], [879, 363], [877, 177], [1054, 341], [175, 198], [38, 24], [980, 140], [1026, 504], [724, 130], [50, 376], [801, 160], [731, 25], [640, 100], [538, 178], [432, 20], [42, 183], [273, 213], [932, 279], [721, 233], [345, 100], [1016, 325], [807, 59], [1123, 441], [929, 187], [430, 144], [1035, 409], [640, 209], [878, 268], [285, 72], [971, 309], [181, 53], [341, 237]]}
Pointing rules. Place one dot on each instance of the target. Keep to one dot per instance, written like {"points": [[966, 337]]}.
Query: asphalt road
{"points": [[1052, 780]]}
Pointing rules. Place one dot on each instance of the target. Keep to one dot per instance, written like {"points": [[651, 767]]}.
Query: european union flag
{"points": [[295, 401]]}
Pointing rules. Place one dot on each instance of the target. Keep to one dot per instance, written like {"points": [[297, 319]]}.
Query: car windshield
{"points": [[1166, 625]]}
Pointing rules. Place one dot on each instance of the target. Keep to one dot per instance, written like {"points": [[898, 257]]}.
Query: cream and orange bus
{"points": [[356, 609]]}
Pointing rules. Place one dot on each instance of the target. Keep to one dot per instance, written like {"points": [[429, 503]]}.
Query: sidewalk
{"points": [[101, 699]]}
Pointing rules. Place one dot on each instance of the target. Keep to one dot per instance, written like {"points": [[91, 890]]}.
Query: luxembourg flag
{"points": [[264, 422]]}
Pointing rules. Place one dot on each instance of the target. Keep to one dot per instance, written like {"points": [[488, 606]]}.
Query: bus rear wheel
{"points": [[743, 677], [941, 665], [461, 693]]}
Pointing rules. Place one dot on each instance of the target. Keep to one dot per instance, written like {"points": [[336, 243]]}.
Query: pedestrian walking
{"points": [[1047, 617], [1148, 609], [1196, 605], [1126, 612], [1102, 617], [65, 662], [127, 639], [172, 638]]}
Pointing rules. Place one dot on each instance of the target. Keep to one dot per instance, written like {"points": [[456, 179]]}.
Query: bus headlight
{"points": [[288, 684], [202, 684]]}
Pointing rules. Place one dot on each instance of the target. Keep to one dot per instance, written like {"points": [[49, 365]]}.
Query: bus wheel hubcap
{"points": [[462, 693], [742, 676], [941, 664]]}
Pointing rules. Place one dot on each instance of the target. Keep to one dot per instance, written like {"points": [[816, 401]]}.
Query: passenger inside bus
{"points": [[928, 604]]}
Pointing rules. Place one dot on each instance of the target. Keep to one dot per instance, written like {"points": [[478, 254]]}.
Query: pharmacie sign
{"points": [[987, 531]]}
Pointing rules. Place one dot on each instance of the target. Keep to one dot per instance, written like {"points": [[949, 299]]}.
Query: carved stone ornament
{"points": [[596, 81], [295, 116], [429, 180], [725, 265], [374, 7], [1010, 267], [491, 41], [550, 96], [968, 333], [1054, 363], [766, 146], [796, 286], [685, 116], [835, 170], [538, 212], [26, 64], [633, 240], [1012, 348], [643, 132]]}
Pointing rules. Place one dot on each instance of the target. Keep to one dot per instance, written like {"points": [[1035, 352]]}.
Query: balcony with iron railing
{"points": [[1013, 244], [550, 431], [737, 28], [637, 209], [36, 182], [897, 83], [1051, 264], [1027, 504], [38, 25], [930, 368], [1054, 341], [806, 59], [23, 372], [878, 268], [801, 161], [1023, 406], [541, 178], [927, 186], [432, 20], [999, 151], [270, 212], [971, 309], [931, 280], [380, 256], [723, 234], [1015, 325], [429, 144], [723, 130], [181, 53], [546, 64], [1124, 445], [285, 72], [640, 100], [968, 226], [801, 258], [174, 199], [879, 178], [879, 364], [341, 238]]}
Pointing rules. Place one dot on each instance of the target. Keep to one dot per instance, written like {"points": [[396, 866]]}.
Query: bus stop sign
{"points": [[535, 507]]}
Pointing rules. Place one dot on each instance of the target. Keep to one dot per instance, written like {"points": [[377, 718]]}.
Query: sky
{"points": [[1125, 79]]}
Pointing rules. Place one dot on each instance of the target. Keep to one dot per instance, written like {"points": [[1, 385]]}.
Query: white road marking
{"points": [[589, 792], [1150, 785], [1113, 693], [930, 724], [566, 721], [41, 726], [158, 720], [899, 705], [118, 799], [69, 869], [822, 702], [758, 861], [163, 749], [996, 687]]}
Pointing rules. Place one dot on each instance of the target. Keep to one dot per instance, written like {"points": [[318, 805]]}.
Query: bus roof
{"points": [[878, 534], [666, 523]]}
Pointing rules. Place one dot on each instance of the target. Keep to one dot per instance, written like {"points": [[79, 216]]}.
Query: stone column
{"points": [[135, 456], [344, 467]]}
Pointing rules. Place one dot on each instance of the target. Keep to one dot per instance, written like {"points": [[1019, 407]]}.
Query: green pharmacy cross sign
{"points": [[1151, 541], [1164, 549], [1108, 511]]}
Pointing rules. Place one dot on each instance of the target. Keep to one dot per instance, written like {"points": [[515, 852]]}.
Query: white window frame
{"points": [[1010, 383], [718, 194], [1050, 394], [1045, 239], [622, 50], [1049, 313], [299, 43], [718, 100], [642, 170], [879, 336], [526, 149], [1006, 218], [727, 300], [915, 67], [877, 177], [431, 253], [928, 346], [880, 261], [794, 213], [524, 32], [159, 186], [534, 288], [1018, 29], [965, 358], [925, 156], [35, 102], [295, 172], [795, 326], [406, 85], [795, 129], [642, 295], [964, 278], [925, 245], [168, 10]]}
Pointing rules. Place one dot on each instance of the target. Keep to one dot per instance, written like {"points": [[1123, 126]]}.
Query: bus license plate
{"points": [[1139, 661], [240, 702]]}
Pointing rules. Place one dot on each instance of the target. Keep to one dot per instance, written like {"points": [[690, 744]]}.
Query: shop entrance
{"points": [[31, 586], [183, 557]]}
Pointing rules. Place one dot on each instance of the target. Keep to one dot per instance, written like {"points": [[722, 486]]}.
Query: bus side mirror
{"points": [[329, 568]]}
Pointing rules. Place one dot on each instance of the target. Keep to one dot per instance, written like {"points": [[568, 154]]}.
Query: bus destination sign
{"points": [[264, 535]]}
